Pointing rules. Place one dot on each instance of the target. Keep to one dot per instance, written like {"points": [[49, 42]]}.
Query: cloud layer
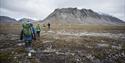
{"points": [[39, 9]]}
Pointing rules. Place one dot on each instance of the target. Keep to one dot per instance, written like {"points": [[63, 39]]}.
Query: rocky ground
{"points": [[65, 47]]}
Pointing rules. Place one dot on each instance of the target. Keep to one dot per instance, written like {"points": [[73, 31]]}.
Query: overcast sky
{"points": [[39, 9]]}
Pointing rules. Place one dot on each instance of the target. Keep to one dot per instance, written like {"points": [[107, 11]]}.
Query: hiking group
{"points": [[30, 33]]}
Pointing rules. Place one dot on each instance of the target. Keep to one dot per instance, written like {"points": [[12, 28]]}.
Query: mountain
{"points": [[26, 19], [80, 16], [6, 19]]}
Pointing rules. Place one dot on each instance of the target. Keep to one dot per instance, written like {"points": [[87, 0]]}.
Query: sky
{"points": [[40, 9]]}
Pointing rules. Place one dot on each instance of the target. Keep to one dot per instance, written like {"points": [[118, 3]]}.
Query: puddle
{"points": [[116, 47], [47, 41], [103, 45], [88, 46], [49, 50], [21, 44], [110, 35]]}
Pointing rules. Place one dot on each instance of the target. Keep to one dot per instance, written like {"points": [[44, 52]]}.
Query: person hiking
{"points": [[48, 26], [38, 29], [27, 34]]}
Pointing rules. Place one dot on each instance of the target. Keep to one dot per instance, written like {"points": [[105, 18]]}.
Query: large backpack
{"points": [[27, 29], [38, 28]]}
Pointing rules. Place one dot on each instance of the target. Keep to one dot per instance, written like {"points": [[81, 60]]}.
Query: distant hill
{"points": [[5, 19], [26, 19], [80, 16]]}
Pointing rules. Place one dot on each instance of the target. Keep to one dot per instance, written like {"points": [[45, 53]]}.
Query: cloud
{"points": [[39, 9]]}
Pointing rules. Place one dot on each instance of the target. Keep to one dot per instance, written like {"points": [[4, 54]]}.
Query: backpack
{"points": [[27, 29], [38, 28]]}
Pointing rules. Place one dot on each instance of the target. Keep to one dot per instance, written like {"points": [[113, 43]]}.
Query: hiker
{"points": [[27, 34], [48, 26], [38, 29]]}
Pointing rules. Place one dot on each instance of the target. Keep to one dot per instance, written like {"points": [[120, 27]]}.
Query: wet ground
{"points": [[65, 47]]}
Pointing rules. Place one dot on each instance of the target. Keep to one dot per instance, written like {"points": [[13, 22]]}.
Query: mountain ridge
{"points": [[26, 19], [80, 16], [6, 19], [70, 16]]}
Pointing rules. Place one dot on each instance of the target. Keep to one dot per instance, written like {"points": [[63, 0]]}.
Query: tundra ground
{"points": [[66, 47]]}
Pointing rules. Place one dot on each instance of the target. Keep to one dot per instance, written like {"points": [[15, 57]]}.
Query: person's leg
{"points": [[29, 48], [49, 28], [30, 44], [26, 43], [38, 33]]}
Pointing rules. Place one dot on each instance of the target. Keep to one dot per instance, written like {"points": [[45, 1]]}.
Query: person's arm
{"points": [[34, 33]]}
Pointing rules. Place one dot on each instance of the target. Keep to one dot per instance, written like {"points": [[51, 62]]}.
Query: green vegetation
{"points": [[6, 57]]}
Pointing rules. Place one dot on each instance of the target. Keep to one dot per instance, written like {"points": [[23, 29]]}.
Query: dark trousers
{"points": [[38, 33], [28, 44]]}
